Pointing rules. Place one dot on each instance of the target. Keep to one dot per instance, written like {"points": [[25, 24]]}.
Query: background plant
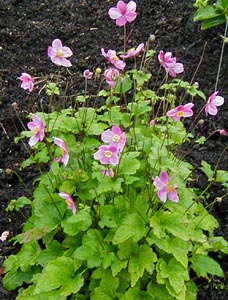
{"points": [[123, 242]]}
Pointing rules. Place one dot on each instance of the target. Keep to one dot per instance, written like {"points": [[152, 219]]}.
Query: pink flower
{"points": [[170, 64], [107, 155], [110, 75], [115, 137], [152, 123], [112, 57], [27, 82], [181, 111], [87, 74], [123, 13], [58, 53], [222, 132], [37, 127], [134, 52], [166, 59], [65, 155], [212, 103], [69, 201], [164, 188]]}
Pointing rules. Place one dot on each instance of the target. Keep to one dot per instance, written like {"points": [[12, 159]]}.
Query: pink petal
{"points": [[33, 140], [57, 44], [173, 196], [65, 159], [211, 109], [158, 183], [98, 155], [114, 13], [162, 195], [106, 136], [122, 7], [51, 51], [189, 105], [218, 101], [178, 68], [114, 160], [164, 177], [121, 21], [67, 51], [131, 6], [116, 130], [130, 16]]}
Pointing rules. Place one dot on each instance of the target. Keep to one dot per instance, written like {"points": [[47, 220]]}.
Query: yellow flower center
{"points": [[169, 188], [115, 58], [60, 54], [116, 138], [36, 130], [68, 202], [108, 153], [180, 114]]}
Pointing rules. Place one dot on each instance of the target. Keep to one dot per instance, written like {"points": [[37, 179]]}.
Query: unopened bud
{"points": [[4, 236], [152, 38], [222, 132], [218, 199], [196, 84], [152, 123], [200, 122], [98, 71]]}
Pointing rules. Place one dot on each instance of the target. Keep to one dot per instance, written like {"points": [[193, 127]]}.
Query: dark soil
{"points": [[27, 27]]}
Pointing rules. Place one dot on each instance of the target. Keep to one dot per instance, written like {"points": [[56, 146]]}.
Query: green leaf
{"points": [[139, 108], [175, 223], [128, 163], [142, 260], [206, 168], [61, 275], [12, 280], [91, 249], [221, 176], [159, 291], [203, 265], [141, 77], [132, 226], [179, 249], [81, 221], [51, 252], [136, 293], [124, 85], [219, 244], [17, 204], [213, 22], [52, 89], [174, 272], [95, 128], [205, 13], [108, 286], [50, 295]]}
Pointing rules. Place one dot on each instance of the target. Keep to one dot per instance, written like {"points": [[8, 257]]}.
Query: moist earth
{"points": [[27, 27]]}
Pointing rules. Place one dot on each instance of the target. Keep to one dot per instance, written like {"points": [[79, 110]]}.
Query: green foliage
{"points": [[212, 15], [52, 89]]}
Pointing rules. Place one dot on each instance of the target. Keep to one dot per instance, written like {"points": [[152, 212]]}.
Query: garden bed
{"points": [[27, 27]]}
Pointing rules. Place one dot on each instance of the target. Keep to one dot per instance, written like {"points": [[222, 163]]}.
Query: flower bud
{"points": [[200, 122], [152, 38], [196, 84], [222, 132], [218, 199], [98, 71]]}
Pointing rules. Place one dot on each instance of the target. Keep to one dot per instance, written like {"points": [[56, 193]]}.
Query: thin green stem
{"points": [[221, 56]]}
